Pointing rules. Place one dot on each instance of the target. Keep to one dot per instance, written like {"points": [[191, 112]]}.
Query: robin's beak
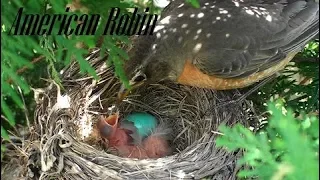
{"points": [[135, 82], [124, 92]]}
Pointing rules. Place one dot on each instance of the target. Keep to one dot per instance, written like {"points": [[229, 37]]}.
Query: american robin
{"points": [[224, 44]]}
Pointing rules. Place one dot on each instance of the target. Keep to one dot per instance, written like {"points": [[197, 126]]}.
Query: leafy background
{"points": [[288, 105]]}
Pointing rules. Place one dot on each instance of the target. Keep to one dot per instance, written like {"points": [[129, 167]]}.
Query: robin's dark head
{"points": [[149, 60], [149, 71], [147, 65], [160, 56]]}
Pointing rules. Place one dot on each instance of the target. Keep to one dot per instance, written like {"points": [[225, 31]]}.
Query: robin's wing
{"points": [[249, 52], [249, 37]]}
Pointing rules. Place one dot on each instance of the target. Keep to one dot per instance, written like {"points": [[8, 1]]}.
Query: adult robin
{"points": [[224, 44]]}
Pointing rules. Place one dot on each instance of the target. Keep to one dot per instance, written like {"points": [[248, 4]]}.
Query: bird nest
{"points": [[61, 145]]}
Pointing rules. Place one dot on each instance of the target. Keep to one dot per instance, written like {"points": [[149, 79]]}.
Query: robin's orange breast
{"points": [[194, 77]]}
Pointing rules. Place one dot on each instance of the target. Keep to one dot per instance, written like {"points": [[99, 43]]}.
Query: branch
{"points": [[298, 59]]}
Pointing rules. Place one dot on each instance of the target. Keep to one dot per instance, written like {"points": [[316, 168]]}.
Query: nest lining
{"points": [[59, 149]]}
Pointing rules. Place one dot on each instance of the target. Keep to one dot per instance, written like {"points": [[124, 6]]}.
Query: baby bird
{"points": [[118, 134], [129, 142], [156, 145], [122, 136]]}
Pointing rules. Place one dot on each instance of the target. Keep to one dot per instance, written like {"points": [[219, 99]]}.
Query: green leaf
{"points": [[3, 149], [4, 134], [194, 3], [17, 60], [86, 67], [24, 86], [12, 93], [6, 110], [117, 50], [123, 39]]}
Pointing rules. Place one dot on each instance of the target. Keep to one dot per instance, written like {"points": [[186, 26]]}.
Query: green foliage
{"points": [[286, 149], [5, 136], [300, 95], [311, 49], [18, 51]]}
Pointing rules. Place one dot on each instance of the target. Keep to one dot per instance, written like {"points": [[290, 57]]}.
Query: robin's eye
{"points": [[139, 78]]}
